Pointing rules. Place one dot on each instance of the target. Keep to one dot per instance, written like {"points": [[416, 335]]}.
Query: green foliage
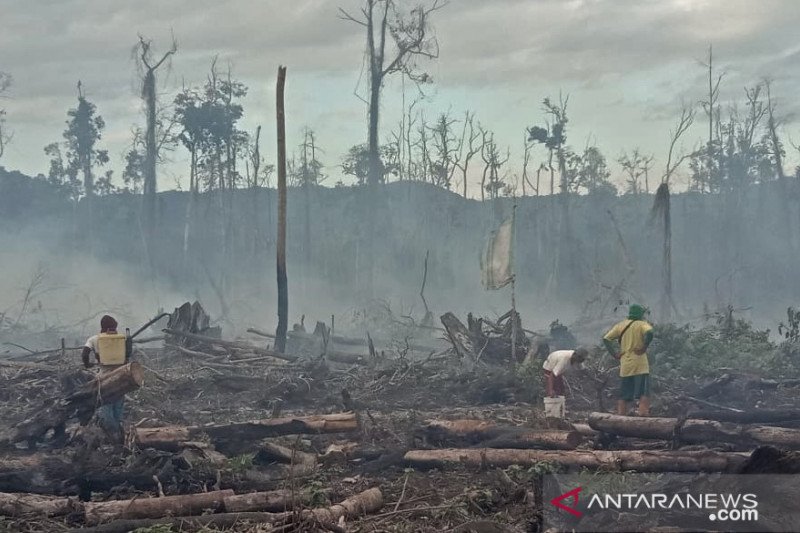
{"points": [[240, 463], [316, 494], [725, 342]]}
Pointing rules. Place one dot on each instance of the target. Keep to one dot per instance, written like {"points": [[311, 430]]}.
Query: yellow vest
{"points": [[631, 364], [111, 349]]}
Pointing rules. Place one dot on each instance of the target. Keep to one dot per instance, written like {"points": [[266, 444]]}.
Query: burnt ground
{"points": [[393, 396]]}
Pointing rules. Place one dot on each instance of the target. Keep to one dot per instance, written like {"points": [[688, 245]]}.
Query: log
{"points": [[103, 389], [750, 416], [36, 504], [235, 434], [368, 501], [491, 435], [182, 505], [586, 430], [231, 344], [459, 336], [639, 461], [168, 438], [694, 431], [275, 453], [273, 501]]}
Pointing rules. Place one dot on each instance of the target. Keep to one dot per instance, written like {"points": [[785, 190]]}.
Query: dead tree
{"points": [[709, 106], [412, 41], [661, 210], [283, 291], [5, 136], [467, 149], [149, 67]]}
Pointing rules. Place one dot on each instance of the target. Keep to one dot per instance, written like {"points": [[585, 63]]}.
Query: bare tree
{"points": [[467, 147], [772, 130], [661, 209], [149, 65], [712, 110], [412, 40], [5, 135]]}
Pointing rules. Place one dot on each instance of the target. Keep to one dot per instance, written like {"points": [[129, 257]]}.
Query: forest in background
{"points": [[593, 230]]}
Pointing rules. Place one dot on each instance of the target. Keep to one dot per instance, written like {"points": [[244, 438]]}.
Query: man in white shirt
{"points": [[559, 363]]}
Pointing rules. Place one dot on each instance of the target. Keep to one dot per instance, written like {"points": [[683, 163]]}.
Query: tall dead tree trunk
{"points": [[149, 211], [283, 291]]}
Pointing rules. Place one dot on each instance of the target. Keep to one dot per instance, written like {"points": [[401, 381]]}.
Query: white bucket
{"points": [[554, 407]]}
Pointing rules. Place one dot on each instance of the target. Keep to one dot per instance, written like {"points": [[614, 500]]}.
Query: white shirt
{"points": [[559, 362], [91, 343]]}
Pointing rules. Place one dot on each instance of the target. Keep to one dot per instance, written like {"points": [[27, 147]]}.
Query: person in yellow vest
{"points": [[627, 341], [110, 351]]}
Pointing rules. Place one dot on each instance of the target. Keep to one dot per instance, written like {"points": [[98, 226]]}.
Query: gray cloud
{"points": [[627, 63]]}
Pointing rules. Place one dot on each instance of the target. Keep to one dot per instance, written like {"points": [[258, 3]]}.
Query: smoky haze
{"points": [[578, 134]]}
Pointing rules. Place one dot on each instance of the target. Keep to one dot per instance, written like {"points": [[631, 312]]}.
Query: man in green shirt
{"points": [[627, 341]]}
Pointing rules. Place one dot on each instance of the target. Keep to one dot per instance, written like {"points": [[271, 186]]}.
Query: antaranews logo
{"points": [[571, 509]]}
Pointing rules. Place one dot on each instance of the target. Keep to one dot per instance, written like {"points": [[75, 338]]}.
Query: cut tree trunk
{"points": [[105, 388], [231, 344], [694, 431], [639, 461], [459, 336], [36, 504], [274, 453], [242, 433], [273, 501], [186, 504], [750, 416], [494, 436]]}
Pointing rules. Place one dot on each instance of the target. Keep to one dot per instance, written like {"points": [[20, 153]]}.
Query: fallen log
{"points": [[273, 501], [231, 344], [639, 461], [185, 504], [694, 431], [368, 501], [275, 453], [103, 389], [234, 435], [36, 504], [586, 430], [750, 416], [491, 435]]}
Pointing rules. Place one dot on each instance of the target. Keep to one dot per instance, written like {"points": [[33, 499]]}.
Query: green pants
{"points": [[634, 387]]}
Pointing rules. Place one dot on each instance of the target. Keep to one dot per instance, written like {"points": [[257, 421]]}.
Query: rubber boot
{"points": [[644, 406]]}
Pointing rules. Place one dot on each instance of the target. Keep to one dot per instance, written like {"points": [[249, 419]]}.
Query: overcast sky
{"points": [[626, 65]]}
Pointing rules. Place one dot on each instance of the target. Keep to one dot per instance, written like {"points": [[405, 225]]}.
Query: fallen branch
{"points": [[491, 435], [230, 344]]}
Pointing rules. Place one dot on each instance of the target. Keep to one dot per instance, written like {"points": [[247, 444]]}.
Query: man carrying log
{"points": [[627, 341], [111, 351], [557, 364]]}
